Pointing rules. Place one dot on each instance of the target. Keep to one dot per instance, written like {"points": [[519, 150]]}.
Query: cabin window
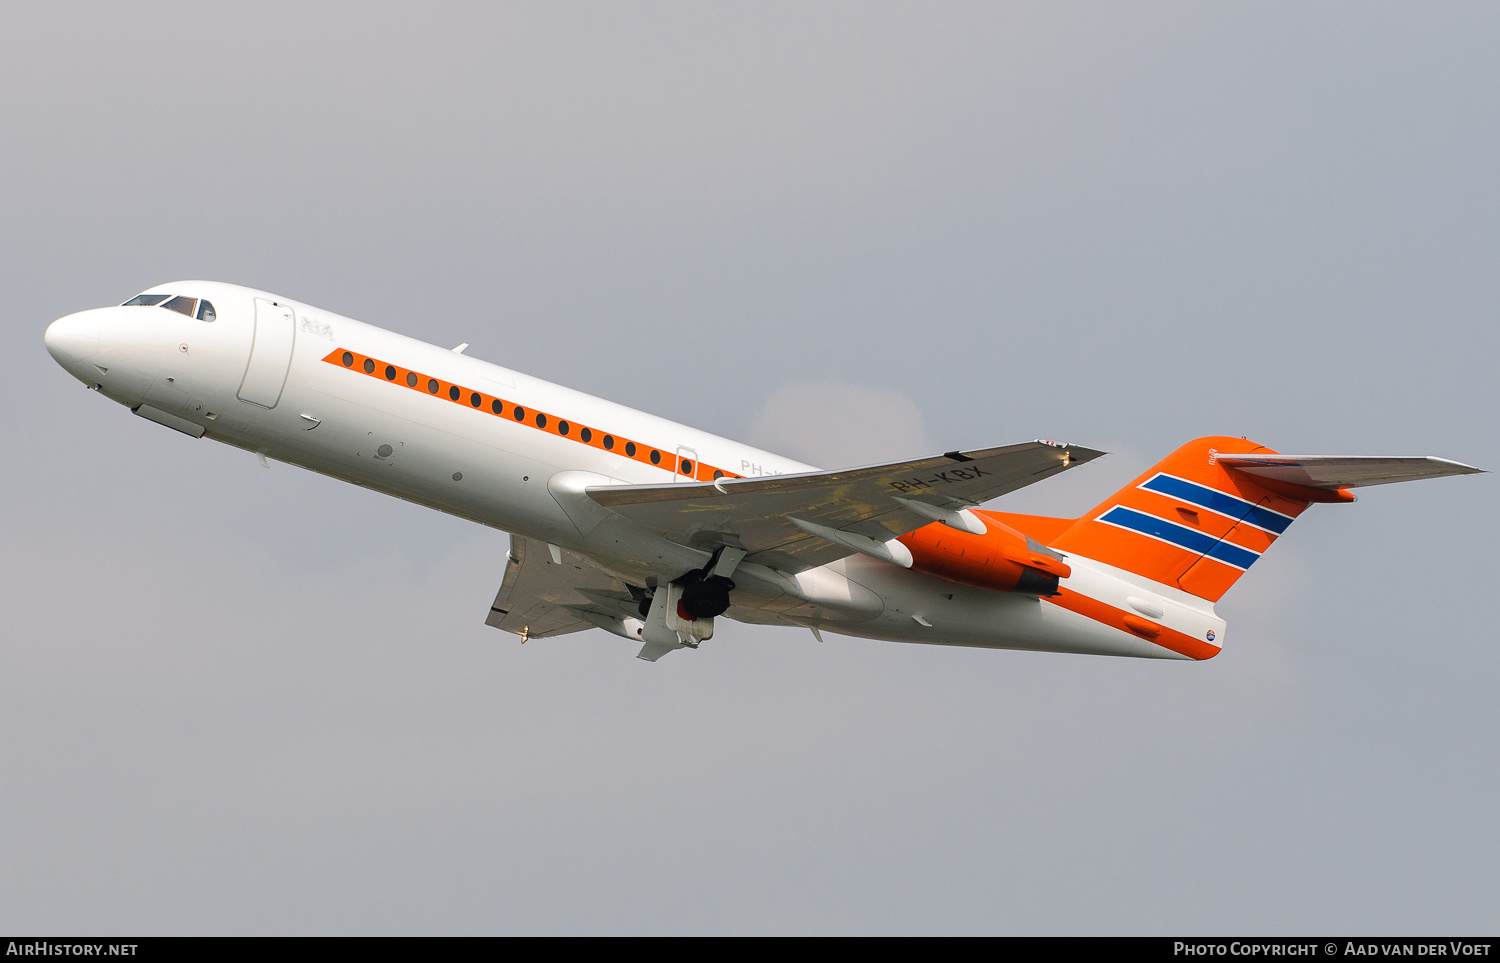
{"points": [[147, 299], [390, 373], [475, 400], [432, 386], [454, 393], [541, 420], [182, 305], [609, 442], [206, 311], [520, 413], [562, 427], [411, 379], [585, 435], [630, 448], [497, 406], [348, 360], [655, 457], [369, 366]]}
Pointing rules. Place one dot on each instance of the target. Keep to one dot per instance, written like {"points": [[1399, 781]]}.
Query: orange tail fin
{"points": [[1190, 522]]}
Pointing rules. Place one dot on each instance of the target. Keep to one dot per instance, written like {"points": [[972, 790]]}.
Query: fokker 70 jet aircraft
{"points": [[652, 530]]}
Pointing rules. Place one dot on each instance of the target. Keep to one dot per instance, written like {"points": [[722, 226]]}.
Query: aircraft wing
{"points": [[775, 519], [540, 597]]}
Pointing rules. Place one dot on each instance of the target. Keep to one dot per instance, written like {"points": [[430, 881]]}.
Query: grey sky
{"points": [[249, 701]]}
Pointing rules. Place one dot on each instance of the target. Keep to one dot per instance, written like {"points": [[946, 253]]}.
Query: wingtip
{"points": [[1078, 454], [1458, 467]]}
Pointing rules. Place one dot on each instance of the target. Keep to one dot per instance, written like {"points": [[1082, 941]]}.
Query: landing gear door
{"points": [[270, 354]]}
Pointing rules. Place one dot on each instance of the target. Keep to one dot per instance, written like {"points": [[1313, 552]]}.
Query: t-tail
{"points": [[1201, 517]]}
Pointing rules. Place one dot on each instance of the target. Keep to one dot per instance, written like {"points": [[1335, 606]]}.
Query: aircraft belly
{"points": [[921, 608]]}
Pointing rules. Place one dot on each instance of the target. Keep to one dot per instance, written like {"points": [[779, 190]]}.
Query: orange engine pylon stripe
{"points": [[544, 421]]}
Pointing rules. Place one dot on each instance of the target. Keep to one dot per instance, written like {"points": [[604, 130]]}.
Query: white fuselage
{"points": [[309, 408]]}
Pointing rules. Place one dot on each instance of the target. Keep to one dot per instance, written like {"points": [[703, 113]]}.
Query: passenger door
{"points": [[270, 354]]}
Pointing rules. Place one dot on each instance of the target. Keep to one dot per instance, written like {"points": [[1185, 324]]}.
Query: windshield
{"points": [[182, 304]]}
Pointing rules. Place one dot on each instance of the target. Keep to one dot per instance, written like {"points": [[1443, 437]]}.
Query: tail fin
{"points": [[1199, 518], [1192, 522]]}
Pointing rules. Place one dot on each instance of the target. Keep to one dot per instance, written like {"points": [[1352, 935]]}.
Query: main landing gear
{"points": [[681, 613]]}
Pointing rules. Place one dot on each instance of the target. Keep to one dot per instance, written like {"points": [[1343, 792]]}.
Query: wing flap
{"points": [[758, 514], [539, 598]]}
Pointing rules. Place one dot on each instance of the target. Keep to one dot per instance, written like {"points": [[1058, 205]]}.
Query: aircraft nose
{"points": [[73, 338]]}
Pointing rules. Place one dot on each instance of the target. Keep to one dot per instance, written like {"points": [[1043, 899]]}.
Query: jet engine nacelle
{"points": [[1000, 560]]}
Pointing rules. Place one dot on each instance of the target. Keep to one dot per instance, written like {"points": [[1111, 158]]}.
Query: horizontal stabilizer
{"points": [[1344, 471]]}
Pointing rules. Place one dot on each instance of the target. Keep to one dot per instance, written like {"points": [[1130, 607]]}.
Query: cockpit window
{"points": [[147, 299], [182, 305], [206, 311]]}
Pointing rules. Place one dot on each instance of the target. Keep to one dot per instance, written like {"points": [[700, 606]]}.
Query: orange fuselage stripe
{"points": [[544, 421]]}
